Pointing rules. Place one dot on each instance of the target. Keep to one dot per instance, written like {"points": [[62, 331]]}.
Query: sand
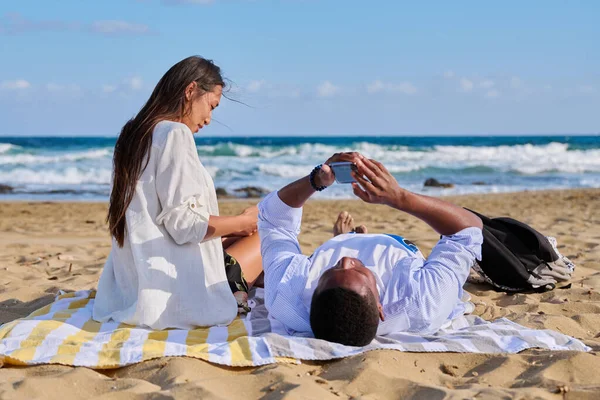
{"points": [[49, 246]]}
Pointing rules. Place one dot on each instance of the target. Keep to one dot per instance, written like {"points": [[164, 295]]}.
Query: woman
{"points": [[167, 266]]}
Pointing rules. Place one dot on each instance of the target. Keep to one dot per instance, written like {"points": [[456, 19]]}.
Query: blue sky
{"points": [[307, 67]]}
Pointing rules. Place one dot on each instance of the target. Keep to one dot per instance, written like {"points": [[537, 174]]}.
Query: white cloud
{"points": [[376, 86], [487, 84], [403, 87], [466, 85], [108, 88], [255, 85], [18, 84], [327, 89], [113, 27], [586, 89], [134, 83], [516, 83], [449, 74], [492, 94]]}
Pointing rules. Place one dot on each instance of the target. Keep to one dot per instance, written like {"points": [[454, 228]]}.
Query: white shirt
{"points": [[417, 295], [165, 276]]}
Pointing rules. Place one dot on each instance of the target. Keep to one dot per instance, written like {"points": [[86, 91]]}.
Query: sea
{"points": [[79, 168]]}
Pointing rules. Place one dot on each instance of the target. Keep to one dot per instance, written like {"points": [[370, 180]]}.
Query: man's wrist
{"points": [[318, 180], [401, 200], [315, 179]]}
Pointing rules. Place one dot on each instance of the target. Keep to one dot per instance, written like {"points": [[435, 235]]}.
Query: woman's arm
{"points": [[238, 225]]}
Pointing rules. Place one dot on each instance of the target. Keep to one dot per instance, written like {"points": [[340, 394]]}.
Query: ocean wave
{"points": [[527, 158], [67, 176], [6, 147], [245, 151], [24, 159], [284, 171]]}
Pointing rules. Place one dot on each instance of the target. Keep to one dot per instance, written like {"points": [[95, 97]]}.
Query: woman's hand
{"points": [[379, 187], [247, 222], [326, 177]]}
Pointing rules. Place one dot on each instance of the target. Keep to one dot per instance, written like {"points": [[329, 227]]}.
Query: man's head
{"points": [[345, 307]]}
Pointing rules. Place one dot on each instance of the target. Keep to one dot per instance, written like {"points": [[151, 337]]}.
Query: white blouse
{"points": [[165, 276]]}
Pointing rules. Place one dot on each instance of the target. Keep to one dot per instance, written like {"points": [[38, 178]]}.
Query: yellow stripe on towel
{"points": [[79, 303], [241, 355], [41, 311], [110, 355], [239, 345], [196, 343], [155, 344]]}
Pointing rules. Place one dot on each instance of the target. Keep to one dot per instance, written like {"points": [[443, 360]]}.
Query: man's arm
{"points": [[297, 193], [381, 188]]}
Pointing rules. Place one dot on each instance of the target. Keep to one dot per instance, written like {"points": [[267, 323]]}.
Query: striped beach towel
{"points": [[64, 333]]}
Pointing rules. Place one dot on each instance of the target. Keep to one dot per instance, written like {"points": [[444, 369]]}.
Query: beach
{"points": [[51, 246]]}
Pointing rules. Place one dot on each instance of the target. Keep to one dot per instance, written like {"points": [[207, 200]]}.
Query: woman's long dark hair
{"points": [[167, 102]]}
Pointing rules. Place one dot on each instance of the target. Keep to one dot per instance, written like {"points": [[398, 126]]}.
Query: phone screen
{"points": [[342, 171]]}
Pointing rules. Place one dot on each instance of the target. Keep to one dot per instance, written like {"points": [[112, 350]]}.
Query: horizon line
{"points": [[322, 136]]}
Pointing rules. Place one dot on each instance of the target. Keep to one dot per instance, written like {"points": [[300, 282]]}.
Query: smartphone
{"points": [[342, 171]]}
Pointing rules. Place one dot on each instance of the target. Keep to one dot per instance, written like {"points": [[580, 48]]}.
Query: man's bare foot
{"points": [[361, 229], [344, 224]]}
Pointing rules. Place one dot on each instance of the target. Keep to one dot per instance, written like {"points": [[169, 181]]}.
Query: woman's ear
{"points": [[189, 90]]}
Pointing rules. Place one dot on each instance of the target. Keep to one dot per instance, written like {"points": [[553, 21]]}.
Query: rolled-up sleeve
{"points": [[437, 285], [180, 189]]}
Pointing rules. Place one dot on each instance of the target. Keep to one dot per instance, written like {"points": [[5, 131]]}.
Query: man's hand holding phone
{"points": [[338, 166]]}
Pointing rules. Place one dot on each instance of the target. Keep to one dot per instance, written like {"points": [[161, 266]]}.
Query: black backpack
{"points": [[515, 257]]}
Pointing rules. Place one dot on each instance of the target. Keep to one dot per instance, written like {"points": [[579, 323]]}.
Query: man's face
{"points": [[350, 273]]}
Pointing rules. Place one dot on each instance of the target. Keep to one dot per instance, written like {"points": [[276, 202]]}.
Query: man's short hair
{"points": [[343, 316]]}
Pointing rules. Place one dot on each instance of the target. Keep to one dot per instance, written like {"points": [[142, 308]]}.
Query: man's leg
{"points": [[345, 224]]}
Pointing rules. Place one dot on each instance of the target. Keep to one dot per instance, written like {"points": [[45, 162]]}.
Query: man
{"points": [[355, 286]]}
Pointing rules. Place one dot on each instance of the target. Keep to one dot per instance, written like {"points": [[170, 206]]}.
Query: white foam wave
{"points": [[47, 159], [285, 171], [6, 147], [237, 165], [298, 171], [67, 176], [525, 159]]}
